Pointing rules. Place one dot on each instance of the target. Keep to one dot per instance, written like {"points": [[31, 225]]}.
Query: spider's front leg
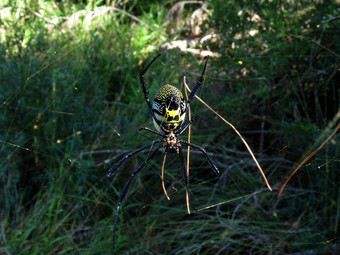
{"points": [[126, 188], [116, 166], [211, 163]]}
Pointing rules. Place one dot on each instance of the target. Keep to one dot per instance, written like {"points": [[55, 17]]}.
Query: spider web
{"points": [[62, 130]]}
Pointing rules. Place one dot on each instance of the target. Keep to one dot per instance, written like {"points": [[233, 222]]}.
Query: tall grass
{"points": [[70, 102]]}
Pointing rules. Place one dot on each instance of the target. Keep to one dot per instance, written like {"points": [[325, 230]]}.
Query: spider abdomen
{"points": [[169, 108]]}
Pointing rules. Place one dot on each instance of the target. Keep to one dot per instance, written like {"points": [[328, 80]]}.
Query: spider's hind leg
{"points": [[145, 89], [194, 90]]}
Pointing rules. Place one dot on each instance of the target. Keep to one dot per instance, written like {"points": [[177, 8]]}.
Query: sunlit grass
{"points": [[70, 103]]}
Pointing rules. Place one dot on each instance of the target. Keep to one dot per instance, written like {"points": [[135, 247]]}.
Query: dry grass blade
{"points": [[189, 135], [228, 201], [307, 158], [238, 133], [163, 178]]}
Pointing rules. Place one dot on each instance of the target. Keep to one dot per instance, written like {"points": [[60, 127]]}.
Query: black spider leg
{"points": [[150, 130], [146, 93], [180, 131], [193, 92], [185, 175], [211, 163], [116, 166], [126, 188]]}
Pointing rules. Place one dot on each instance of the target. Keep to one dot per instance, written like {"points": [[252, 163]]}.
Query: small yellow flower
{"points": [[35, 127], [58, 141], [240, 62]]}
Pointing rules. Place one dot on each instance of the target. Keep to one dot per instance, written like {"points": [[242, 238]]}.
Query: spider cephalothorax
{"points": [[168, 111], [171, 144]]}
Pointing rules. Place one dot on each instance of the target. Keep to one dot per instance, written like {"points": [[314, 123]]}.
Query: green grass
{"points": [[70, 102]]}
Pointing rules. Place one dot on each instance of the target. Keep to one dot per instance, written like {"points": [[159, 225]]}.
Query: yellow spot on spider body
{"points": [[240, 62], [169, 107], [172, 116], [35, 127], [58, 141]]}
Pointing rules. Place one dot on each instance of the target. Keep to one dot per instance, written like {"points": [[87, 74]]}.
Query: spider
{"points": [[169, 111]]}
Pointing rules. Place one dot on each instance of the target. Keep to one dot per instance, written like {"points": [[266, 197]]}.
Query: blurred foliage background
{"points": [[71, 101]]}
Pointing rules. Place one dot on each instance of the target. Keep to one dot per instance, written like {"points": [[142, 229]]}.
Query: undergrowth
{"points": [[71, 101]]}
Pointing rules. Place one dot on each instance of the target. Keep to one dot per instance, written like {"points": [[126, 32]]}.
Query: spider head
{"points": [[171, 144]]}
